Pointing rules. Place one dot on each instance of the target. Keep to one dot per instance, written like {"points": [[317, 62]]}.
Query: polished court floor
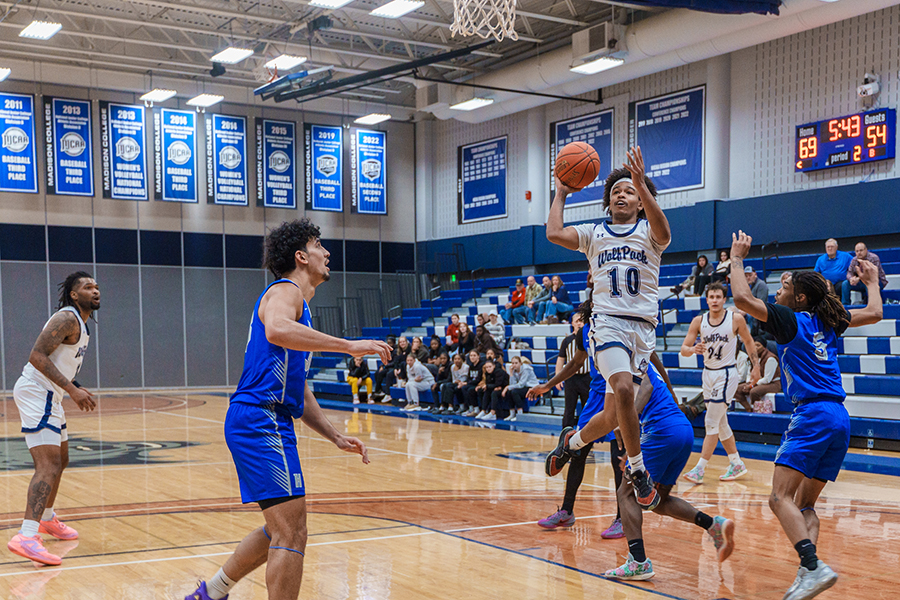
{"points": [[443, 511]]}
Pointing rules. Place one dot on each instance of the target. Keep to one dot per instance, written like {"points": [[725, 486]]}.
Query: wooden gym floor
{"points": [[443, 511]]}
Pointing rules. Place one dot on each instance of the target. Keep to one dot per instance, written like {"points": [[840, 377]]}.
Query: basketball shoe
{"points": [[695, 475], [632, 570], [733, 472], [561, 518], [57, 529], [560, 455], [722, 533], [32, 548], [810, 584]]}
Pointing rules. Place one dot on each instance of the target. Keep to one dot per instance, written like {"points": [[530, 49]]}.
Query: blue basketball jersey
{"points": [[598, 384], [661, 410], [809, 364], [273, 376]]}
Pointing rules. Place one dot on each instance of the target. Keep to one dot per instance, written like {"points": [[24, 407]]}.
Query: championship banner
{"points": [[18, 161], [596, 130], [368, 172], [671, 133], [481, 171], [226, 164], [324, 167], [276, 177], [123, 153], [69, 149], [175, 155]]}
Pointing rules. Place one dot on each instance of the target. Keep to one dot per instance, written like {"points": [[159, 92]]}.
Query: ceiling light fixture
{"points": [[158, 95], [40, 30], [597, 65], [373, 118], [205, 100], [472, 104], [4, 73], [332, 4], [232, 55], [285, 62], [397, 8]]}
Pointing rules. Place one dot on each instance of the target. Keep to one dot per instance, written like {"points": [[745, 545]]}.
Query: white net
{"points": [[264, 74], [485, 18]]}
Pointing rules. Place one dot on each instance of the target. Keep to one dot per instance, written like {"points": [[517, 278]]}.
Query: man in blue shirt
{"points": [[833, 264]]}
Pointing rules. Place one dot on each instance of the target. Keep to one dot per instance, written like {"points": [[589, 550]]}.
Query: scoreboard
{"points": [[851, 140]]}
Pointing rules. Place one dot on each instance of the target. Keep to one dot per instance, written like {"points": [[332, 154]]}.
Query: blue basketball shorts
{"points": [[666, 451], [817, 440], [263, 446], [593, 406]]}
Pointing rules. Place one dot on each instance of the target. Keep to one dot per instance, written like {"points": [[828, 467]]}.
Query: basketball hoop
{"points": [[485, 18], [264, 74]]}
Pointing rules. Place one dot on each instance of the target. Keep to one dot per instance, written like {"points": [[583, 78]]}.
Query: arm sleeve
{"points": [[781, 323], [585, 233]]}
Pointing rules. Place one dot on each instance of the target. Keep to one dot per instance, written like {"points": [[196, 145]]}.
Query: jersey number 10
{"points": [[632, 282]]}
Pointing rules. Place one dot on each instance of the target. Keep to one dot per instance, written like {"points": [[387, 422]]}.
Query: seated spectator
{"points": [[521, 379], [453, 331], [473, 383], [769, 383], [442, 377], [495, 356], [420, 379], [385, 371], [418, 350], [399, 363], [453, 391], [479, 320], [495, 380], [538, 305], [434, 350], [484, 341], [699, 278], [359, 373], [496, 329], [833, 265], [852, 282], [558, 307], [517, 300], [465, 342], [723, 269], [532, 291], [759, 289]]}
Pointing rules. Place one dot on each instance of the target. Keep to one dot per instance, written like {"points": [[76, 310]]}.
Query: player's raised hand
{"points": [[537, 391], [563, 188], [740, 244], [353, 445], [868, 272], [367, 347], [635, 165]]}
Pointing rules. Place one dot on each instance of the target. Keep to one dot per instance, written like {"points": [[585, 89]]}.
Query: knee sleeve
{"points": [[716, 418], [725, 431]]}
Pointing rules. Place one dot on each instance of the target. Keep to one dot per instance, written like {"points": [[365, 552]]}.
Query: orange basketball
{"points": [[577, 165]]}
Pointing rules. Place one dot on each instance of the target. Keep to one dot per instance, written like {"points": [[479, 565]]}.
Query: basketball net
{"points": [[263, 74], [485, 18]]}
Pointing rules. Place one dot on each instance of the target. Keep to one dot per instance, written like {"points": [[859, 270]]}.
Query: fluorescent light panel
{"points": [[4, 73], [473, 104], [158, 95], [372, 119], [232, 55], [596, 66], [397, 8], [285, 62], [205, 100], [332, 4], [40, 30]]}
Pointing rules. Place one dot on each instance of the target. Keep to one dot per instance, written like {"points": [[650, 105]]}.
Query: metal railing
{"points": [[472, 278], [395, 312], [662, 319], [764, 257], [432, 297], [352, 315]]}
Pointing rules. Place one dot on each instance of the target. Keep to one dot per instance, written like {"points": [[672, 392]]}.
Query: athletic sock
{"points": [[807, 551], [636, 547], [701, 464], [701, 519], [219, 586], [29, 528], [48, 514], [637, 462], [735, 458], [575, 442]]}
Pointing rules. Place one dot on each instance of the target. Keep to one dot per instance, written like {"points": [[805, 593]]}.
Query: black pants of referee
{"points": [[577, 386]]}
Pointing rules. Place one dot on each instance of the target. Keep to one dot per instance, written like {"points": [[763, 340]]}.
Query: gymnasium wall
{"points": [[755, 98], [178, 281]]}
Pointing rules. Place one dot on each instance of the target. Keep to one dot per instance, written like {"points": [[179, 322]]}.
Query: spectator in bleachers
{"points": [[418, 350], [700, 276], [759, 289], [484, 341], [453, 391], [833, 265], [558, 307], [496, 329], [473, 381], [517, 300], [358, 372], [532, 291], [495, 356], [443, 376], [723, 269], [538, 305], [578, 385], [386, 371], [419, 380], [521, 379], [397, 377], [466, 340], [435, 350], [453, 331], [852, 282], [769, 383], [495, 379]]}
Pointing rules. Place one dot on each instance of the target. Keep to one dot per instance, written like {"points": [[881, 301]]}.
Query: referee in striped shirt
{"points": [[579, 385]]}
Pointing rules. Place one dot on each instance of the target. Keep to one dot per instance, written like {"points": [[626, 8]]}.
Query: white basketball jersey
{"points": [[720, 340], [67, 357], [624, 262]]}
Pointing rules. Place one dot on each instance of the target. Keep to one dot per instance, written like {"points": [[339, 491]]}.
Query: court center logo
{"points": [[371, 168], [15, 139], [327, 165], [72, 144], [279, 161], [229, 157], [179, 153], [128, 149], [88, 452]]}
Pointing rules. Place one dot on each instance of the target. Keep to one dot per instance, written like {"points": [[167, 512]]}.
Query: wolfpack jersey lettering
{"points": [[624, 262], [721, 342], [273, 376], [67, 358]]}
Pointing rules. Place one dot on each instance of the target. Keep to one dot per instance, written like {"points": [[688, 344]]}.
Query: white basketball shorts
{"points": [[41, 412]]}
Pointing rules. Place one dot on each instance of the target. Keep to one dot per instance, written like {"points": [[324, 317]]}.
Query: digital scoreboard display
{"points": [[855, 139]]}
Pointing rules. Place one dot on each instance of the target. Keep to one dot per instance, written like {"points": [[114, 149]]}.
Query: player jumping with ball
{"points": [[624, 255]]}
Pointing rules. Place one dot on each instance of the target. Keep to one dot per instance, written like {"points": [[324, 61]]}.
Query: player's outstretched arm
{"points": [[570, 369], [62, 325], [557, 232], [740, 324], [690, 345], [659, 224], [314, 417], [874, 310], [740, 289]]}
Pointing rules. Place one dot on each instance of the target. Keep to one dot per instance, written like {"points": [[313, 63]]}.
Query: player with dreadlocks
{"points": [[806, 320], [49, 374]]}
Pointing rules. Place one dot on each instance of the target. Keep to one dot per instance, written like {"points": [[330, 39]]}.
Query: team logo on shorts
{"points": [[371, 168], [229, 157], [326, 165], [15, 140], [72, 144], [128, 149]]}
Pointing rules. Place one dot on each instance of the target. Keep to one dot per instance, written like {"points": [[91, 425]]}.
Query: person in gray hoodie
{"points": [[521, 379]]}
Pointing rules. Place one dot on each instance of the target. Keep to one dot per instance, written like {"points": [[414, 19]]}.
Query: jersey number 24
{"points": [[632, 282]]}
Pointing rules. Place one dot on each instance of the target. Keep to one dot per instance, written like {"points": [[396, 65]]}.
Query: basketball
{"points": [[577, 165]]}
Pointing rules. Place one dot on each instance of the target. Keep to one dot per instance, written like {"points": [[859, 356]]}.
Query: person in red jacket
{"points": [[518, 299]]}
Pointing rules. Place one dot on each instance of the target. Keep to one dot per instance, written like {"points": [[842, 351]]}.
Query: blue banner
{"points": [[368, 172], [18, 161], [482, 180], [276, 176], [324, 167], [671, 133], [595, 130], [69, 149], [123, 151], [175, 155], [226, 160]]}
